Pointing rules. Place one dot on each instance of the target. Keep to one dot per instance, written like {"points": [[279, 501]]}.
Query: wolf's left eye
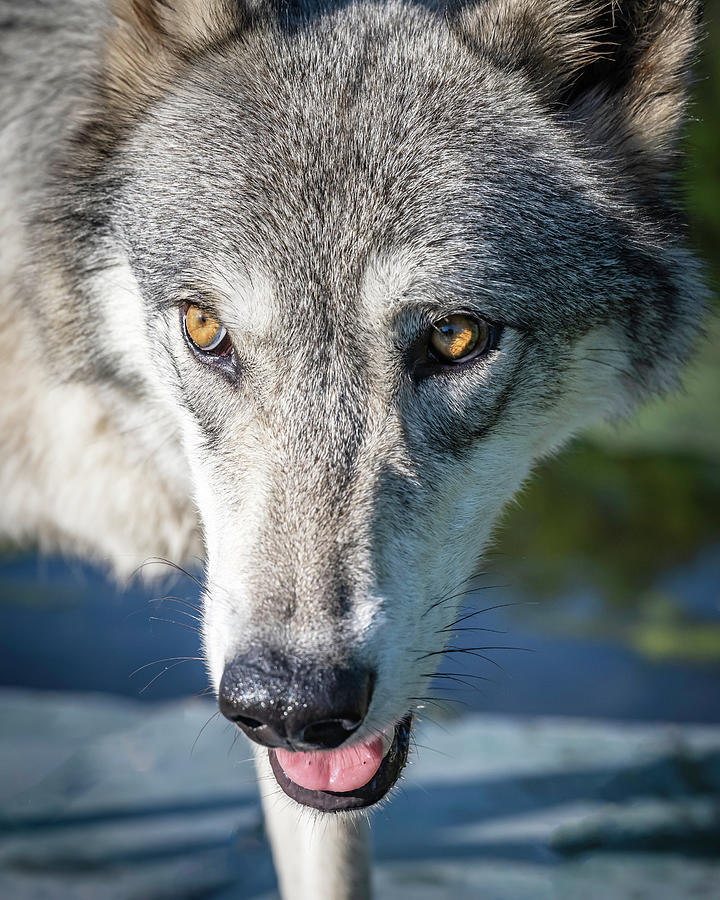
{"points": [[204, 332], [459, 338]]}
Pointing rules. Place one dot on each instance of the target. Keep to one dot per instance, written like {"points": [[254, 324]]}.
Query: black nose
{"points": [[280, 702]]}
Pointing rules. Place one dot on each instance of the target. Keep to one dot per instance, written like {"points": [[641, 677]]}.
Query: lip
{"points": [[334, 801]]}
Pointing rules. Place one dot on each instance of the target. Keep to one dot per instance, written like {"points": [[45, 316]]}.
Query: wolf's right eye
{"points": [[459, 338], [204, 333]]}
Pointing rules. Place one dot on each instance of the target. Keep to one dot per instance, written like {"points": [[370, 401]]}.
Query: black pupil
{"points": [[459, 336], [452, 330]]}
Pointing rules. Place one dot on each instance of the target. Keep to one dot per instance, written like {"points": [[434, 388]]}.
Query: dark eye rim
{"points": [[224, 350], [428, 363]]}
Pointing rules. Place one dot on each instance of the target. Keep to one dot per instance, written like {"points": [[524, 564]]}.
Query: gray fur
{"points": [[327, 182]]}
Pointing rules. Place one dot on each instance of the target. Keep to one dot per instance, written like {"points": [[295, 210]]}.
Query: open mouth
{"points": [[346, 778]]}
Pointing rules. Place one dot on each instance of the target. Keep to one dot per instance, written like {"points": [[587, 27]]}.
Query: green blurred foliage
{"points": [[666, 632], [702, 176], [610, 521]]}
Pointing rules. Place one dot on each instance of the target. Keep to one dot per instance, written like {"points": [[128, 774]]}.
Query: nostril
{"points": [[329, 733], [247, 721]]}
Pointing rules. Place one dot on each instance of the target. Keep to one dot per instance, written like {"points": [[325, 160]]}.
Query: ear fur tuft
{"points": [[635, 97], [619, 67], [150, 40], [549, 41], [187, 25]]}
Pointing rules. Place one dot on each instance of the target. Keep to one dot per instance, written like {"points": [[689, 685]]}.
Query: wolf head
{"points": [[379, 259]]}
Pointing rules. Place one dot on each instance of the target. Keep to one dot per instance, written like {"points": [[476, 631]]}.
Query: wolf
{"points": [[307, 289]]}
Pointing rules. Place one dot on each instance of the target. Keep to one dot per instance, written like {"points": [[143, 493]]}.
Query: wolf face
{"points": [[376, 261]]}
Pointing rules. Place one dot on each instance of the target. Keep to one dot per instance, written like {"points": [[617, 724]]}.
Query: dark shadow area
{"points": [[424, 812], [67, 627], [119, 814]]}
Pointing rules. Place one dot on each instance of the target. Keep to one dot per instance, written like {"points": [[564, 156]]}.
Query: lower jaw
{"points": [[359, 798]]}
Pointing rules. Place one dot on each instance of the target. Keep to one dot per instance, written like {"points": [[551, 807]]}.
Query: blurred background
{"points": [[603, 595]]}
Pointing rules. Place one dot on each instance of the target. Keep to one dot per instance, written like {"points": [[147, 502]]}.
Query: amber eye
{"points": [[459, 337], [204, 331]]}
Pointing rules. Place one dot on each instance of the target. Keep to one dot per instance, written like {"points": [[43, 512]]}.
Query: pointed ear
{"points": [[187, 25], [150, 40], [620, 67]]}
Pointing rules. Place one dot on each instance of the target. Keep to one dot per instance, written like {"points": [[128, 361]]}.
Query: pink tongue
{"points": [[344, 769]]}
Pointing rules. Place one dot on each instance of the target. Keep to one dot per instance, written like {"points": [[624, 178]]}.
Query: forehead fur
{"points": [[418, 152]]}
